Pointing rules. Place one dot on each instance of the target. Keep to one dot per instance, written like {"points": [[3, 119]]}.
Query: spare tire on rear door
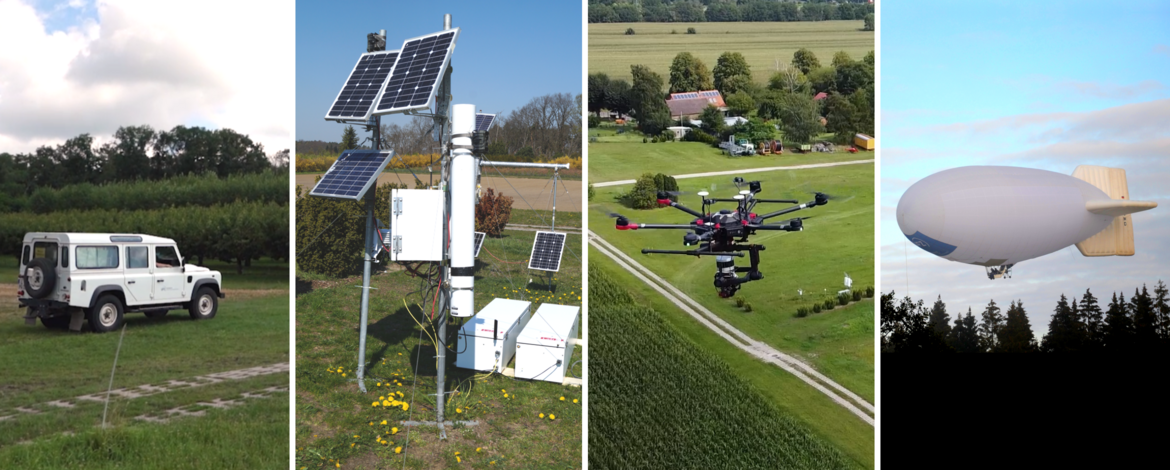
{"points": [[40, 277]]}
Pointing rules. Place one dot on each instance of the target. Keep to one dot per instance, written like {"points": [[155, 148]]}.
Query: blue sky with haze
{"points": [[507, 53], [1049, 85]]}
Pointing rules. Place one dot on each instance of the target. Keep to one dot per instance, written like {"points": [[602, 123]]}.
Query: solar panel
{"points": [[546, 251], [478, 242], [484, 122], [352, 174], [361, 89], [420, 65]]}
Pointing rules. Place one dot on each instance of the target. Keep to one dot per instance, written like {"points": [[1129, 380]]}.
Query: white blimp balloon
{"points": [[997, 216]]}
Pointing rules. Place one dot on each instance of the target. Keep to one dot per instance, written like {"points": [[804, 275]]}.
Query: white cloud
{"points": [[163, 64]]}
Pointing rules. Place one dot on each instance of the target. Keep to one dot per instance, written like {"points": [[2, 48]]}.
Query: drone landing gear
{"points": [[1004, 271]]}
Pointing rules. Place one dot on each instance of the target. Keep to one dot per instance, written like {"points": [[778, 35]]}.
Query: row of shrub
{"points": [[235, 232], [842, 299], [644, 194], [189, 190], [319, 163], [657, 397]]}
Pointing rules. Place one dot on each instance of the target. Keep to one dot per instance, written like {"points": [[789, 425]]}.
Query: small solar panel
{"points": [[478, 242], [546, 251], [484, 122], [352, 174], [361, 89], [417, 72]]}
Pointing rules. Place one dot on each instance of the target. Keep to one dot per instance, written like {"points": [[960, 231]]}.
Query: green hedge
{"points": [[205, 190], [657, 400], [330, 233], [231, 232]]}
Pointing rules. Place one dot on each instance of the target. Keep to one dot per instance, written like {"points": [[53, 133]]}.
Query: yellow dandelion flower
{"points": [[351, 444], [574, 400], [458, 410], [562, 398], [541, 415], [505, 395], [479, 449], [383, 422], [405, 406], [393, 430], [458, 460], [343, 375], [398, 450], [379, 384], [456, 453], [375, 404], [371, 423], [338, 464], [385, 403], [355, 435], [552, 416]]}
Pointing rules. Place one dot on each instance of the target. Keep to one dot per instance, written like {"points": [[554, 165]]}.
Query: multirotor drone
{"points": [[724, 234]]}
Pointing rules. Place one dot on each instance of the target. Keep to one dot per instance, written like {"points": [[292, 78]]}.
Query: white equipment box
{"points": [[545, 348], [416, 225], [487, 341]]}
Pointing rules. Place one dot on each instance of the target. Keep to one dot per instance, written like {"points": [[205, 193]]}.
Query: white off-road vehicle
{"points": [[67, 277]]}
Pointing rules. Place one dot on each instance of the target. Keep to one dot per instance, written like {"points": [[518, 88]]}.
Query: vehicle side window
{"points": [[165, 257], [97, 257], [64, 257], [137, 257], [26, 258], [47, 250]]}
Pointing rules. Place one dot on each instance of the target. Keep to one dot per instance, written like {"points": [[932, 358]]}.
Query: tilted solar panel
{"points": [[546, 251], [417, 72], [479, 242], [360, 91], [484, 122], [352, 174]]}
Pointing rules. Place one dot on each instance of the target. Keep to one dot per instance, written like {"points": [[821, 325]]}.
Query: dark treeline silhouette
{"points": [[1141, 324], [134, 153], [317, 146]]}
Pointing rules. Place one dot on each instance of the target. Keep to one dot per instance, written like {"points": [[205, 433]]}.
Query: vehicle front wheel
{"points": [[204, 304], [106, 314]]}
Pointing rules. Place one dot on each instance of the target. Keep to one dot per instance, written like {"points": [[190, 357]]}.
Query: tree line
{"points": [[787, 100], [691, 11], [1141, 324], [135, 153]]}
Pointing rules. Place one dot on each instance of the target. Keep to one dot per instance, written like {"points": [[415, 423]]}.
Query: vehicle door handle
{"points": [[160, 280], [129, 282]]}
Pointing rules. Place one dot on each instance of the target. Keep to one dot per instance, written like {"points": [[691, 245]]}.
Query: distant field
{"points": [[763, 44], [628, 160], [838, 239]]}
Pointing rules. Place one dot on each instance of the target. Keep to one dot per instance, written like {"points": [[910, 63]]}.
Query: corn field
{"points": [[657, 400]]}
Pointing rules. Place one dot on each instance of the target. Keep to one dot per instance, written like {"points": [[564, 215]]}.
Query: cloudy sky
{"points": [[507, 53], [1047, 85], [80, 66]]}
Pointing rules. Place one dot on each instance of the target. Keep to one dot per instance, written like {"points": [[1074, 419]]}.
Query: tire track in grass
{"points": [[735, 336]]}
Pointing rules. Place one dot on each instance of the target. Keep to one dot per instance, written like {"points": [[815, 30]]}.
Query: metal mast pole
{"points": [[441, 357], [371, 235]]}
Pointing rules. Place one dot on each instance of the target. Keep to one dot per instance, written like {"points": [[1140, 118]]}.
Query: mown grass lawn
{"points": [[337, 424], [42, 365]]}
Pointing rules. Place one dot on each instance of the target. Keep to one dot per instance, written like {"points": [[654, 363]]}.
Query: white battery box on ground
{"points": [[488, 340], [544, 350]]}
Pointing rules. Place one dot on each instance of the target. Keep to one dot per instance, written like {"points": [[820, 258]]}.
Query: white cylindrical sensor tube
{"points": [[463, 181]]}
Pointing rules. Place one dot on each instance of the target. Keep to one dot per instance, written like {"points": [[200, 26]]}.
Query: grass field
{"points": [[336, 424], [623, 161], [41, 366], [763, 45], [838, 239], [682, 351]]}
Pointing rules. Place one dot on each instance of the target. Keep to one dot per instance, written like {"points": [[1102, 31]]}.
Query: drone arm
{"points": [[778, 201], [647, 251], [681, 207], [789, 226], [819, 201]]}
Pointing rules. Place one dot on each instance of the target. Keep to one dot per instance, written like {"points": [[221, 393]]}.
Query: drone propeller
{"points": [[616, 215]]}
